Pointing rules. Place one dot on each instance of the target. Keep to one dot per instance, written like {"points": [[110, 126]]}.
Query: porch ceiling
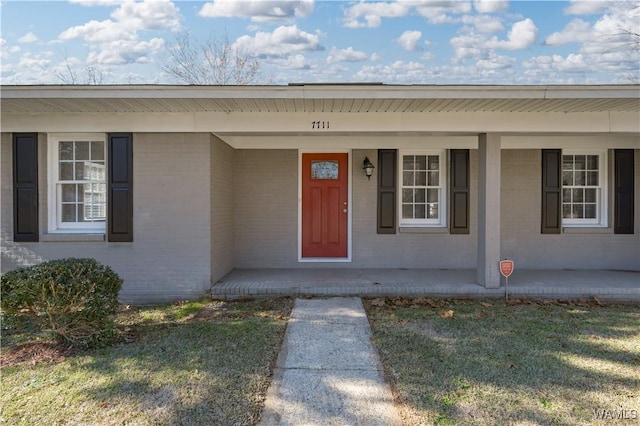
{"points": [[318, 98]]}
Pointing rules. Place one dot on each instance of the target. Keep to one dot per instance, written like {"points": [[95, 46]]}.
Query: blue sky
{"points": [[394, 42]]}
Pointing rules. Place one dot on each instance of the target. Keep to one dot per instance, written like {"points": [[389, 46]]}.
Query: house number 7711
{"points": [[319, 124]]}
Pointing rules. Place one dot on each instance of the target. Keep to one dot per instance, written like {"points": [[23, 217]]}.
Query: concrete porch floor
{"points": [[621, 286]]}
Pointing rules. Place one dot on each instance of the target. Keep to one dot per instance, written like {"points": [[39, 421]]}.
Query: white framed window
{"points": [[77, 183], [584, 188], [422, 200]]}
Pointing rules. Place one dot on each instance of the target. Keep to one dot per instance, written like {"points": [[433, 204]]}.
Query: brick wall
{"points": [[521, 237], [169, 258]]}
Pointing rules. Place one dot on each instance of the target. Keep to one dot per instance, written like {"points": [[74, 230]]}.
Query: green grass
{"points": [[494, 364], [196, 363]]}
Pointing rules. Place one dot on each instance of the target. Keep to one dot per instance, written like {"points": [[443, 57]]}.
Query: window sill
{"points": [[72, 237], [423, 230], [587, 230]]}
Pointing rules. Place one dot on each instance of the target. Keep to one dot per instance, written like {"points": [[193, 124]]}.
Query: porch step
{"points": [[605, 285]]}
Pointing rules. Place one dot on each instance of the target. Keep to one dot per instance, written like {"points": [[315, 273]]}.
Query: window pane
{"points": [[407, 211], [65, 151], [432, 211], [567, 162], [566, 195], [66, 171], [590, 195], [566, 211], [421, 162], [579, 178], [407, 178], [82, 151], [580, 162], [407, 195], [82, 192], [69, 193], [434, 162], [68, 212], [578, 195], [93, 170], [419, 195], [420, 211], [324, 170], [421, 179], [592, 162], [577, 211], [432, 195], [590, 211], [592, 178], [434, 179], [407, 162], [80, 166], [97, 151], [567, 177]]}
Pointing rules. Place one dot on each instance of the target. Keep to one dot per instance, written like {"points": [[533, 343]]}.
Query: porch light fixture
{"points": [[368, 167]]}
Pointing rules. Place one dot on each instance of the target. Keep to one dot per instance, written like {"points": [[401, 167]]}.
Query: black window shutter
{"points": [[459, 223], [624, 176], [387, 160], [120, 187], [25, 187], [551, 191]]}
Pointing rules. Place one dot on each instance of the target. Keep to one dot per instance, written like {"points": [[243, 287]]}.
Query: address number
{"points": [[319, 124]]}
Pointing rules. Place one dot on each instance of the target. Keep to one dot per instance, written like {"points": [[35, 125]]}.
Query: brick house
{"points": [[176, 186]]}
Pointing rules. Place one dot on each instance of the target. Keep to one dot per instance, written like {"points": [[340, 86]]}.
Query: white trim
{"points": [[441, 222], [349, 202], [54, 209], [603, 197]]}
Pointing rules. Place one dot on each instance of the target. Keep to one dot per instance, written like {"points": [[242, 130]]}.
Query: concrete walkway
{"points": [[328, 371]]}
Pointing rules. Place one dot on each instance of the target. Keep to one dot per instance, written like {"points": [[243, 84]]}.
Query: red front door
{"points": [[324, 205]]}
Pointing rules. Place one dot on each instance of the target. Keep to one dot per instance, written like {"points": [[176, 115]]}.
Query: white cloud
{"points": [[258, 10], [149, 15], [410, 40], [396, 72], [116, 41], [522, 35], [375, 56], [372, 13], [127, 52], [345, 55], [467, 46], [496, 62], [283, 41], [27, 61], [572, 63], [491, 6], [96, 2], [576, 30], [292, 62], [437, 12], [587, 7], [484, 23], [29, 37]]}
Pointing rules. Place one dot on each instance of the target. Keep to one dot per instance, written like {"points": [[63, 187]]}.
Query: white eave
{"points": [[311, 98]]}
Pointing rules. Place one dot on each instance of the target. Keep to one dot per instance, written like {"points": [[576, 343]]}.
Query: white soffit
{"points": [[318, 99]]}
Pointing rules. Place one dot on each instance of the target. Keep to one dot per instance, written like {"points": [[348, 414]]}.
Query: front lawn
{"points": [[192, 364], [488, 363]]}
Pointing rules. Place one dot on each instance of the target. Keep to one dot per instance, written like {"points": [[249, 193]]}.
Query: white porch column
{"points": [[489, 210]]}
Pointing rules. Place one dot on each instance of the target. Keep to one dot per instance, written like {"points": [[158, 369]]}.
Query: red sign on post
{"points": [[506, 267]]}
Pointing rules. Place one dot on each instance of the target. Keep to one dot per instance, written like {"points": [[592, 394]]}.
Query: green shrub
{"points": [[76, 299]]}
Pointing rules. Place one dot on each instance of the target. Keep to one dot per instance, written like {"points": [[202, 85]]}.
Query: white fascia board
{"points": [[321, 92]]}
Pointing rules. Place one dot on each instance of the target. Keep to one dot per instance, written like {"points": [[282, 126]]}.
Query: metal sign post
{"points": [[506, 269]]}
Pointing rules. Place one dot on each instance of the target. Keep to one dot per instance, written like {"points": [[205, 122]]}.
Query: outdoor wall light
{"points": [[368, 167]]}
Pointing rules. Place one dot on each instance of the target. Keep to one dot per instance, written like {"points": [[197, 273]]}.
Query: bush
{"points": [[76, 299]]}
